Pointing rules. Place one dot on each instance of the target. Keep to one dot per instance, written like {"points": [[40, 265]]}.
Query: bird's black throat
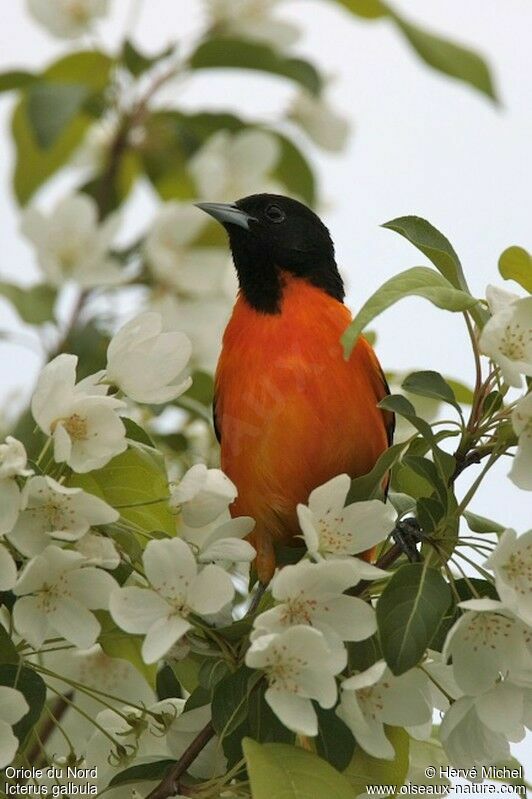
{"points": [[261, 272]]}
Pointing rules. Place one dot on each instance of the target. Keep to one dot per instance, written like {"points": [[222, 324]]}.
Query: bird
{"points": [[290, 411]]}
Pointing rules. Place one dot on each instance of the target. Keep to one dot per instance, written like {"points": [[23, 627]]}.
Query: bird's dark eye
{"points": [[275, 214]]}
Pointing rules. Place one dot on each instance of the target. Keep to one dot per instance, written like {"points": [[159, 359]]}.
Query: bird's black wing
{"points": [[217, 430]]}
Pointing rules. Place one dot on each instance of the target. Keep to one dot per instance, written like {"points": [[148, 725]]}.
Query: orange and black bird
{"points": [[290, 412]]}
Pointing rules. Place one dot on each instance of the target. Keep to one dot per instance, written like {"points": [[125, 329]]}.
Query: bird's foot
{"points": [[407, 534]]}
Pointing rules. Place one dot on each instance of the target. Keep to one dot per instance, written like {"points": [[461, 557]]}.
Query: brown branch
{"points": [[169, 786], [36, 754]]}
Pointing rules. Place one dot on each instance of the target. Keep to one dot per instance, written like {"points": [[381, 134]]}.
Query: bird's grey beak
{"points": [[227, 214]]}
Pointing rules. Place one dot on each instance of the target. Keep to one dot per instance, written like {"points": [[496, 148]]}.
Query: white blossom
{"points": [[138, 738], [93, 668], [72, 245], [511, 562], [147, 363], [507, 708], [521, 471], [467, 741], [507, 337], [177, 589], [325, 126], [299, 667], [313, 594], [51, 510], [83, 422], [13, 707], [173, 258], [232, 165], [67, 19], [329, 528], [57, 593], [223, 543], [98, 550], [8, 569], [203, 319], [13, 462], [252, 19], [202, 494], [376, 697], [485, 642]]}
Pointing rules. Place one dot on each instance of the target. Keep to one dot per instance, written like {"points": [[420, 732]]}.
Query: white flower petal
{"points": [[169, 565], [295, 712], [13, 705], [8, 744], [162, 636], [211, 590], [91, 586], [74, 622], [329, 497], [8, 570], [30, 621], [136, 609]]}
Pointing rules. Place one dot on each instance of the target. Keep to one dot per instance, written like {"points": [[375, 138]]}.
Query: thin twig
{"points": [[169, 786]]}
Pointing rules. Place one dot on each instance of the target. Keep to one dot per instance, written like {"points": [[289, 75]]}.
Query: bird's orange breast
{"points": [[291, 412]]}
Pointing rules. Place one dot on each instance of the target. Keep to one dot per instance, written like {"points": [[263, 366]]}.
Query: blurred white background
{"points": [[421, 144]]}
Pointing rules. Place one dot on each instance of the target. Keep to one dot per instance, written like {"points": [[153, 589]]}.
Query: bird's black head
{"points": [[270, 235]]}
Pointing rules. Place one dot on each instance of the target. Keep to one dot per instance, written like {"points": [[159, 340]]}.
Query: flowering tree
{"points": [[134, 642]]}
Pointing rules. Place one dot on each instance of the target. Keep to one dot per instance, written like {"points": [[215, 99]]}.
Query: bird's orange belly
{"points": [[291, 412], [287, 433]]}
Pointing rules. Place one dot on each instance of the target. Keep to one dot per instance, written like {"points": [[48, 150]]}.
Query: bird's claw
{"points": [[407, 534]]}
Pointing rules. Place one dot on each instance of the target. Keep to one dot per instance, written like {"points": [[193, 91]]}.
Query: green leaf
{"points": [[244, 54], [480, 524], [8, 653], [16, 79], [131, 482], [403, 503], [294, 171], [211, 672], [369, 9], [439, 250], [35, 165], [145, 772], [136, 433], [335, 742], [463, 393], [367, 770], [34, 305], [420, 281], [427, 469], [430, 384], [429, 512], [402, 406], [409, 612], [363, 654], [51, 107], [433, 244], [515, 263], [280, 771], [137, 63], [187, 672], [230, 701], [31, 685], [167, 685], [90, 344], [369, 485], [448, 57]]}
